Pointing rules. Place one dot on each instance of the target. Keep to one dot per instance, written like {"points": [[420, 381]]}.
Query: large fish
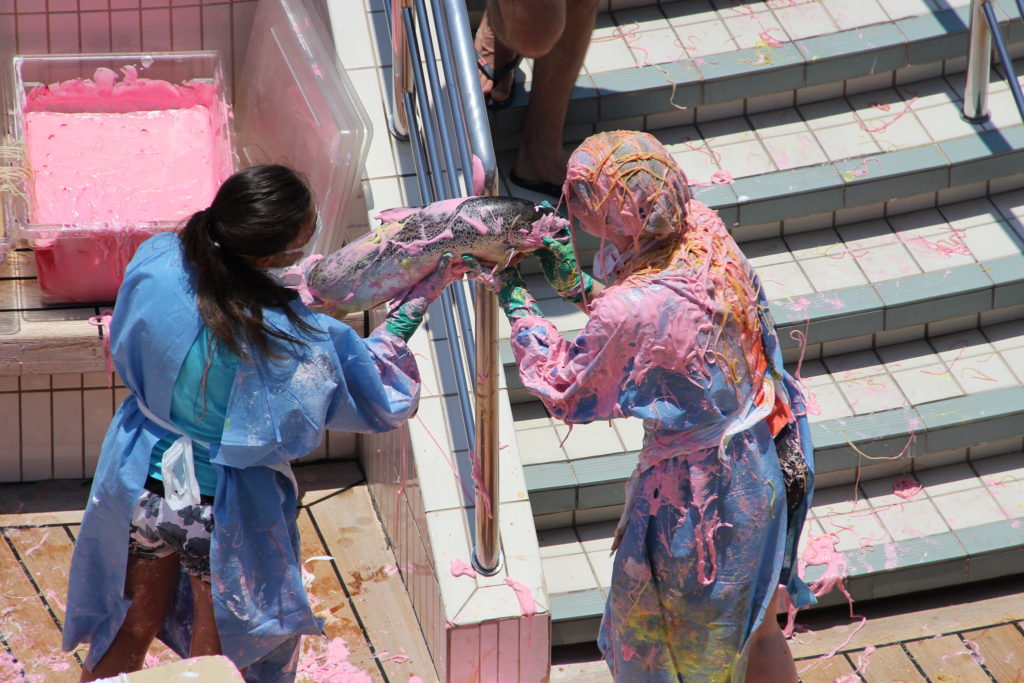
{"points": [[407, 246]]}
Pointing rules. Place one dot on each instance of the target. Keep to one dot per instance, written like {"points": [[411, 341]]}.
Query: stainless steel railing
{"points": [[985, 32], [438, 119]]}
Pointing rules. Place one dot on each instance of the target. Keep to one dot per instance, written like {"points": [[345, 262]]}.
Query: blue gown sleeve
{"points": [[380, 386]]}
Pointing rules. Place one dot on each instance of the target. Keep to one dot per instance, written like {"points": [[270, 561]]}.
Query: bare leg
{"points": [[770, 659], [149, 584], [540, 155], [205, 638], [530, 28]]}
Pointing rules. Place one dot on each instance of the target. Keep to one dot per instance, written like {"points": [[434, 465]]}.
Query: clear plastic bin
{"points": [[84, 260], [296, 106]]}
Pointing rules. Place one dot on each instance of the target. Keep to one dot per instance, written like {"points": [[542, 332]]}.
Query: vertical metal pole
{"points": [[401, 71], [487, 553], [979, 62]]}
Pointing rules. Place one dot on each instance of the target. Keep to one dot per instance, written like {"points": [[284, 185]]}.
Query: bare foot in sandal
{"points": [[497, 63]]}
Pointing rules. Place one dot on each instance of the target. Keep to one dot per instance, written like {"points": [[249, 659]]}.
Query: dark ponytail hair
{"points": [[257, 212]]}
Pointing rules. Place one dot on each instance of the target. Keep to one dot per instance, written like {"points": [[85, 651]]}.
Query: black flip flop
{"points": [[540, 186], [495, 75]]}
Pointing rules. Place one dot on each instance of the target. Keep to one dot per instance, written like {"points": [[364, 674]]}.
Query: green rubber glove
{"points": [[407, 311], [558, 262], [513, 297]]}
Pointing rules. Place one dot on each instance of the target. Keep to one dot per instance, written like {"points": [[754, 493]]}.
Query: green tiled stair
{"points": [[889, 235]]}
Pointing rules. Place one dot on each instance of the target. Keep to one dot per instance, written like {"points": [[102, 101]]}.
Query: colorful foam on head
{"points": [[115, 158], [625, 183]]}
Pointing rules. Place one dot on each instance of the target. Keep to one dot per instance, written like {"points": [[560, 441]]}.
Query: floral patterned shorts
{"points": [[158, 531]]}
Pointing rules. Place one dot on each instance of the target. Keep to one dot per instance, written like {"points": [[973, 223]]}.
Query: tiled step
{"points": [[667, 63], [824, 164], [919, 404], [873, 283], [964, 523]]}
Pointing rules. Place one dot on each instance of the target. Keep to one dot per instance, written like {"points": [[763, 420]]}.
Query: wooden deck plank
{"points": [[46, 552], [328, 599], [896, 620], [889, 664], [946, 658], [378, 593], [27, 627], [823, 670], [1002, 650]]}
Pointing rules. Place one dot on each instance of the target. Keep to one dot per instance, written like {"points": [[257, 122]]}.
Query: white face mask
{"points": [[605, 260]]}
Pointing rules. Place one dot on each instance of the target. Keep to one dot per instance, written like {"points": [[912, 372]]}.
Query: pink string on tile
{"points": [[881, 128], [843, 251], [961, 344], [861, 169], [767, 38], [444, 453]]}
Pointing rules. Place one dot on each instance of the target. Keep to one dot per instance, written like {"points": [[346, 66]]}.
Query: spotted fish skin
{"points": [[406, 247]]}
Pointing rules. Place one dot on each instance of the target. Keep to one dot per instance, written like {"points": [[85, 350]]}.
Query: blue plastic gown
{"points": [[278, 411], [687, 345]]}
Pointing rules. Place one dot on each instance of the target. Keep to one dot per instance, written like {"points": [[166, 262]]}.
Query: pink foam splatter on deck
{"points": [[10, 668], [386, 656], [330, 664], [863, 660], [906, 488], [460, 568], [413, 678], [54, 599]]}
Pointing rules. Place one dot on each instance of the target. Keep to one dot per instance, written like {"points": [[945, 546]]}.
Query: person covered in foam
{"points": [[681, 338], [190, 531]]}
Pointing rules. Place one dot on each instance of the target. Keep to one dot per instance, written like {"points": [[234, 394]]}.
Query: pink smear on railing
{"points": [[906, 488], [480, 486], [460, 568], [719, 177], [478, 175]]}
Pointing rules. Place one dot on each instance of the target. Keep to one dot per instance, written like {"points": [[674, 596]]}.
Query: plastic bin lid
{"points": [[296, 106]]}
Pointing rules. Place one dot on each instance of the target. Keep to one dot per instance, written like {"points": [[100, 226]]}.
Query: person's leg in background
{"points": [[540, 156], [770, 660], [556, 35]]}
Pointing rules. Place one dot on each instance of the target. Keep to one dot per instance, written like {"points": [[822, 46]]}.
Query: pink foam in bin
{"points": [[120, 147]]}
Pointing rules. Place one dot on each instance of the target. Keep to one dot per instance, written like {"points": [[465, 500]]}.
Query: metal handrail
{"points": [[984, 31], [453, 116]]}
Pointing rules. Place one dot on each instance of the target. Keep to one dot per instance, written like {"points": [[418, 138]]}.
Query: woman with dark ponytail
{"points": [[190, 533]]}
